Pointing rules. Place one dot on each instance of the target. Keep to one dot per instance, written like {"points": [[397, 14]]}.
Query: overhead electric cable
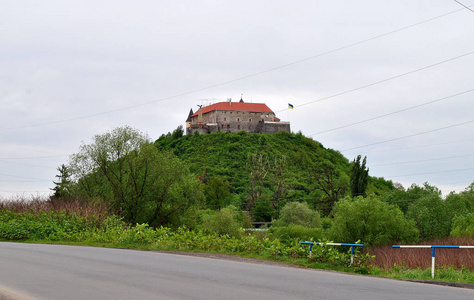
{"points": [[467, 7], [391, 113], [34, 178], [421, 160], [35, 157], [236, 79], [28, 165], [419, 146], [382, 81], [411, 135], [429, 173]]}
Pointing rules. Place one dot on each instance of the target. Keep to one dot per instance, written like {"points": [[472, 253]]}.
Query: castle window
{"points": [[238, 119], [238, 126], [228, 126], [250, 120], [225, 119]]}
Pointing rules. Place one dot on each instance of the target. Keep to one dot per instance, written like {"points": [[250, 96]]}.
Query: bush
{"points": [[298, 214], [463, 226], [295, 232], [222, 222], [431, 216], [51, 225], [372, 221]]}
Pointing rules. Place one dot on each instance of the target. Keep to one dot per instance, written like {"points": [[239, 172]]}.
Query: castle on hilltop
{"points": [[231, 116]]}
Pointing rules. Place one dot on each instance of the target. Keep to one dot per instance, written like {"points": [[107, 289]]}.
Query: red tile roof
{"points": [[239, 106]]}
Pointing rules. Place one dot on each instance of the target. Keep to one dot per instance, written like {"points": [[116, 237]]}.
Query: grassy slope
{"points": [[226, 155]]}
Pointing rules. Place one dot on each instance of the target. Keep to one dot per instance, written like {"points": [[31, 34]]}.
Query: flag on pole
{"points": [[290, 106]]}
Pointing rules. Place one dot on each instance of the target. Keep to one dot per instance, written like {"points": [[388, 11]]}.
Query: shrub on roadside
{"points": [[223, 222], [298, 213], [463, 226], [295, 232], [372, 221]]}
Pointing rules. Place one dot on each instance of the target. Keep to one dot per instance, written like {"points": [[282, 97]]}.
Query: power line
{"points": [[37, 179], [382, 81], [429, 173], [422, 160], [34, 157], [420, 146], [411, 135], [239, 78], [467, 7], [392, 113], [28, 165]]}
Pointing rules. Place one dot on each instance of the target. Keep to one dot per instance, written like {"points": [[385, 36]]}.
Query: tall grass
{"points": [[413, 258], [80, 207]]}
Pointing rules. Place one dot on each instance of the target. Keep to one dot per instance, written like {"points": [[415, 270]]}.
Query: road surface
{"points": [[30, 271]]}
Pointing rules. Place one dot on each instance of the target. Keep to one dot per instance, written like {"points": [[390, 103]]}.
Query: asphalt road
{"points": [[29, 271]]}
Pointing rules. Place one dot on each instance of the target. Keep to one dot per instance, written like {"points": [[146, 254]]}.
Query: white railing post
{"points": [[433, 252]]}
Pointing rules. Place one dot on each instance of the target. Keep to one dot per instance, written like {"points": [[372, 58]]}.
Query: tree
{"points": [[278, 181], [216, 191], [431, 216], [63, 187], [298, 213], [143, 185], [359, 177], [332, 182], [372, 221], [257, 168], [463, 226], [222, 222]]}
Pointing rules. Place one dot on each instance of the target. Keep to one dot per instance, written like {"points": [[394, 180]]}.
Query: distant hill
{"points": [[310, 170]]}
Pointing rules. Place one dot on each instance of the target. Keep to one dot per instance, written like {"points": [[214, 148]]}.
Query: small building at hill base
{"points": [[231, 116]]}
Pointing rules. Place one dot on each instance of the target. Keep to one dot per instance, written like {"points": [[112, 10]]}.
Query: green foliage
{"points": [[379, 186], [143, 185], [463, 226], [216, 191], [64, 187], [460, 204], [293, 232], [372, 221], [431, 217], [359, 177], [263, 211], [52, 226], [287, 159], [298, 214], [443, 273], [223, 222], [333, 184]]}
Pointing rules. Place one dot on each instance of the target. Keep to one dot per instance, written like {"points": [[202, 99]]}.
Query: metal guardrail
{"points": [[433, 252], [333, 244]]}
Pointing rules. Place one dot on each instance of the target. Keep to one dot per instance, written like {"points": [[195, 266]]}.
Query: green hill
{"points": [[277, 168]]}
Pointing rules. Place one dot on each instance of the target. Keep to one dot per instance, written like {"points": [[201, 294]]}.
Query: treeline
{"points": [[223, 181]]}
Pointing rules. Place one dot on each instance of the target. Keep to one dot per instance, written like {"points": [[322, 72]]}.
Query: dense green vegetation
{"points": [[274, 169], [197, 192], [203, 180], [60, 226]]}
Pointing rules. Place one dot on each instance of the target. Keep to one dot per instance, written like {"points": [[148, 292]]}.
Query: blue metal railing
{"points": [[311, 244], [433, 252]]}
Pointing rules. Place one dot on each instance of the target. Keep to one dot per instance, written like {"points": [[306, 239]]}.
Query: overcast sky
{"points": [[390, 80]]}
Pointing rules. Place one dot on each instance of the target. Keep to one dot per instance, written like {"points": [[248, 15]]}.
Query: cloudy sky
{"points": [[390, 80]]}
